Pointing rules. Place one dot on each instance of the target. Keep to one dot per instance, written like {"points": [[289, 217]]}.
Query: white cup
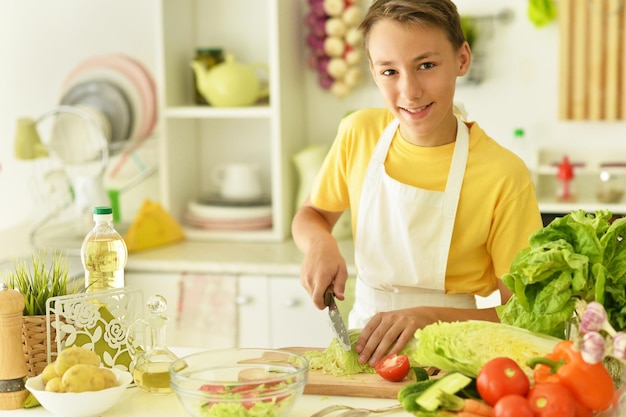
{"points": [[238, 181]]}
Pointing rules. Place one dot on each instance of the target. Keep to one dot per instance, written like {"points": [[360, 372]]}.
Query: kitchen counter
{"points": [[273, 258], [137, 403]]}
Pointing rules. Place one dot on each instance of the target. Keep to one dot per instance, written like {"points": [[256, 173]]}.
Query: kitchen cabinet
{"points": [[275, 311], [194, 138], [268, 311], [195, 318], [295, 320]]}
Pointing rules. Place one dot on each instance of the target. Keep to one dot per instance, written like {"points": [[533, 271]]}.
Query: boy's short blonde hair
{"points": [[442, 14]]}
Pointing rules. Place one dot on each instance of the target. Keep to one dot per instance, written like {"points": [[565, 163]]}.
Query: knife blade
{"points": [[339, 328]]}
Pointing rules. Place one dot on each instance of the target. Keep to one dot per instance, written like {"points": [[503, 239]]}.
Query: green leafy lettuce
{"points": [[580, 256], [465, 346], [251, 409]]}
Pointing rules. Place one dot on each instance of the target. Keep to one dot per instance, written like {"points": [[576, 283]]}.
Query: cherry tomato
{"points": [[552, 400], [393, 367], [499, 377], [513, 405]]}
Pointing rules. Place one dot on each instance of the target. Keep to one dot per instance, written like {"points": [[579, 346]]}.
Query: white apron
{"points": [[403, 236]]}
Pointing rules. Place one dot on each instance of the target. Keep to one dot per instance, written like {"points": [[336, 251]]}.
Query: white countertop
{"points": [[137, 403]]}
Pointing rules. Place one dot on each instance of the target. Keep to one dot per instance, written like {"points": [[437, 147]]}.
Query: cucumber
{"points": [[409, 393], [450, 383], [409, 403], [417, 374]]}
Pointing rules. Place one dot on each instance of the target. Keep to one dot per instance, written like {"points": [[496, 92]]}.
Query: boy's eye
{"points": [[424, 66]]}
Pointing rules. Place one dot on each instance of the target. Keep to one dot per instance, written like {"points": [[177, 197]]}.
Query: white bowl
{"points": [[79, 404]]}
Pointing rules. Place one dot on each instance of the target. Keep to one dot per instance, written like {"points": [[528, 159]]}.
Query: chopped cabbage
{"points": [[250, 409], [466, 346], [336, 361]]}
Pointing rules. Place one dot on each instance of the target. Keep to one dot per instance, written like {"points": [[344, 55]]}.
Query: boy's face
{"points": [[415, 69]]}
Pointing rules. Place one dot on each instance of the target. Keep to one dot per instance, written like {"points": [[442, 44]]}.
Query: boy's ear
{"points": [[465, 59]]}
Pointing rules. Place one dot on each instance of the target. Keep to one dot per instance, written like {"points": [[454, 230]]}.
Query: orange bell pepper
{"points": [[591, 384], [543, 374]]}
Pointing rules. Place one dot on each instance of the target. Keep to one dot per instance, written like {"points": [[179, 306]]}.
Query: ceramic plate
{"points": [[218, 200], [136, 74], [263, 222], [210, 212], [130, 89], [108, 99]]}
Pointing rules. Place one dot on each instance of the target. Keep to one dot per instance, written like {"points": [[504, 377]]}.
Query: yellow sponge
{"points": [[152, 227]]}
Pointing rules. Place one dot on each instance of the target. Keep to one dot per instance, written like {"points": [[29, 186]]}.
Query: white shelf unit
{"points": [[196, 138], [588, 164]]}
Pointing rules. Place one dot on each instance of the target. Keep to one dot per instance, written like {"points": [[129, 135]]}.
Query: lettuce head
{"points": [[580, 256], [465, 346]]}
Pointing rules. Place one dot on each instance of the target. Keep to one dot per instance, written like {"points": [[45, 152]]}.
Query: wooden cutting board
{"points": [[359, 385]]}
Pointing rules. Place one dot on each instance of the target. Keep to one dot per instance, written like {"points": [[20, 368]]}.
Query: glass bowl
{"points": [[239, 382]]}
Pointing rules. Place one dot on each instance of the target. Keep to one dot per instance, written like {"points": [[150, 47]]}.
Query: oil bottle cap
{"points": [[103, 210]]}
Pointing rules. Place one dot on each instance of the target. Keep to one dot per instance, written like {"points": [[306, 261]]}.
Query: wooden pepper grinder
{"points": [[13, 369]]}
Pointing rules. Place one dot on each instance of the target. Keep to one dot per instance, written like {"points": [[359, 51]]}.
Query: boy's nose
{"points": [[411, 88]]}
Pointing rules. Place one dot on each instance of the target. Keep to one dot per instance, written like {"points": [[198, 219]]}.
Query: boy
{"points": [[439, 209]]}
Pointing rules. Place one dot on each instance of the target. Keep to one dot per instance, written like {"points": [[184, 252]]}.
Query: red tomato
{"points": [[513, 405], [245, 388], [500, 377], [393, 367], [213, 389], [552, 400]]}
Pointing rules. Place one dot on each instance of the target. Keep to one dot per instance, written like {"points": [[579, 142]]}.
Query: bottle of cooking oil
{"points": [[103, 253], [152, 363]]}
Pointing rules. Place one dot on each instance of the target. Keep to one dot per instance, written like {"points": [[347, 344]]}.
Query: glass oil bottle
{"points": [[152, 361]]}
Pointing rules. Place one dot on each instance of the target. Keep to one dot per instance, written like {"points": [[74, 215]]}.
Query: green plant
{"points": [[37, 282]]}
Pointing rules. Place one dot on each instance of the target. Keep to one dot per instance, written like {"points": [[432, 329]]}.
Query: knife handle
{"points": [[328, 296]]}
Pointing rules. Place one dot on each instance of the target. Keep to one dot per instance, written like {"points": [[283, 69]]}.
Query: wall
{"points": [[42, 41]]}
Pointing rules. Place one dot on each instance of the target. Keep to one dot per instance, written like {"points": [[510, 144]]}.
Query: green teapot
{"points": [[229, 83]]}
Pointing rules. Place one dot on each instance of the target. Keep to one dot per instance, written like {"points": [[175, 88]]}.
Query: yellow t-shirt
{"points": [[497, 209]]}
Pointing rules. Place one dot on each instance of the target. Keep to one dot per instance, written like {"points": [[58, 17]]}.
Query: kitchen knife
{"points": [[341, 333]]}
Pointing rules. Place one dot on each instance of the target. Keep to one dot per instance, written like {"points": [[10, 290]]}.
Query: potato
{"points": [[48, 373], [74, 355], [110, 380], [55, 385], [82, 377]]}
